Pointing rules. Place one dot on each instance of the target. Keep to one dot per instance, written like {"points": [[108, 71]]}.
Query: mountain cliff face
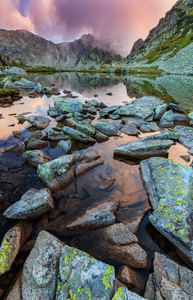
{"points": [[34, 50], [170, 42]]}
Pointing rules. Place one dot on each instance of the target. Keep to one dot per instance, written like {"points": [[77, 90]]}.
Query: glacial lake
{"points": [[16, 178]]}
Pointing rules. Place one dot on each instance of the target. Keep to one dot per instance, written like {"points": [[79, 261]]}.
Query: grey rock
{"points": [[149, 127], [77, 135], [100, 137], [159, 111], [71, 122], [99, 215], [102, 105], [169, 186], [67, 105], [108, 110], [33, 204], [38, 122], [26, 84], [18, 148], [169, 280], [130, 129], [83, 277], [17, 134], [48, 91], [106, 183], [56, 136], [12, 243], [59, 173], [185, 135], [15, 71], [167, 119], [124, 294], [132, 120], [179, 118], [114, 117], [60, 118], [38, 88], [94, 103], [35, 157], [107, 128], [65, 146], [143, 148], [186, 158], [36, 144], [33, 136], [87, 129], [141, 108], [109, 94]]}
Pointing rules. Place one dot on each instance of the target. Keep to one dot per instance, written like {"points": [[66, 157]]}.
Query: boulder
{"points": [[100, 137], [159, 111], [94, 103], [77, 135], [65, 146], [35, 157], [33, 136], [38, 88], [98, 215], [59, 173], [87, 129], [167, 120], [169, 280], [124, 294], [18, 148], [48, 91], [26, 84], [33, 204], [149, 127], [67, 105], [38, 122], [140, 108], [143, 148], [17, 134], [114, 243], [132, 120], [15, 71], [108, 110], [12, 243], [83, 277], [127, 277], [107, 128], [169, 186], [36, 144], [179, 118], [185, 135], [130, 129], [56, 136]]}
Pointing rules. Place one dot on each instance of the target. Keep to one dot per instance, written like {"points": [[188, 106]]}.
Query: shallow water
{"points": [[17, 178]]}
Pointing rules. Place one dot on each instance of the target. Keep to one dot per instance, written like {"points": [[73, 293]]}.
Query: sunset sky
{"points": [[121, 22]]}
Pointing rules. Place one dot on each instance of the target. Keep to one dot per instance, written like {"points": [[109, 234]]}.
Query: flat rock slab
{"points": [[99, 215], [170, 188], [130, 129], [33, 204], [108, 128], [169, 280], [38, 122], [59, 173], [83, 277], [35, 157], [143, 148], [11, 244], [140, 108], [185, 135]]}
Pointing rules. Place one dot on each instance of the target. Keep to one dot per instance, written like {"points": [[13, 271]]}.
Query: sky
{"points": [[120, 22]]}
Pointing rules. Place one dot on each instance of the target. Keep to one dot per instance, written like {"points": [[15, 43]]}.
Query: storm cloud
{"points": [[120, 22]]}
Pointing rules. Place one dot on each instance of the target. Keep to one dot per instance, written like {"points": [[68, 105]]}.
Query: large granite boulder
{"points": [[185, 135], [144, 148], [115, 243], [12, 243], [33, 204], [38, 122], [83, 277], [59, 173], [169, 280], [140, 108], [170, 188], [78, 135], [35, 157], [98, 215]]}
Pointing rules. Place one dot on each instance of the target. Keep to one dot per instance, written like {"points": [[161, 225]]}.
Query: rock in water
{"points": [[170, 187], [36, 157], [59, 173], [83, 277], [107, 128], [185, 135], [11, 244], [38, 122], [78, 135], [65, 146], [169, 280], [32, 204]]}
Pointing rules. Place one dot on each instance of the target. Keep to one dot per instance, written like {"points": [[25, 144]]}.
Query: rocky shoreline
{"points": [[60, 266]]}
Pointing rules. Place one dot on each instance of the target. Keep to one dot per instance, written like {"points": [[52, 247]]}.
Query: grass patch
{"points": [[144, 70]]}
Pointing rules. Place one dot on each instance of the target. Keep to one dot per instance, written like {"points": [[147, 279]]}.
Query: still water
{"points": [[16, 178]]}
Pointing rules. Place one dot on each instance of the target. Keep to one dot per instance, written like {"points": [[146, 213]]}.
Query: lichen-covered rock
{"points": [[56, 136], [32, 204], [36, 144], [39, 277], [38, 88], [179, 118], [11, 244], [169, 280], [65, 146], [130, 129], [185, 135], [114, 243], [106, 111], [38, 122], [140, 108], [26, 84], [132, 120], [98, 215], [124, 294], [87, 129], [167, 119], [159, 111], [169, 186], [59, 173], [149, 127], [33, 136], [83, 277], [100, 137], [67, 105], [35, 157], [108, 128], [77, 135], [15, 71], [143, 148]]}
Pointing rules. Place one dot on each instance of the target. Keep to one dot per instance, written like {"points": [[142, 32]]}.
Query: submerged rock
{"points": [[106, 183], [38, 122], [143, 148], [11, 244], [170, 186], [169, 280], [33, 204], [59, 173], [35, 157]]}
